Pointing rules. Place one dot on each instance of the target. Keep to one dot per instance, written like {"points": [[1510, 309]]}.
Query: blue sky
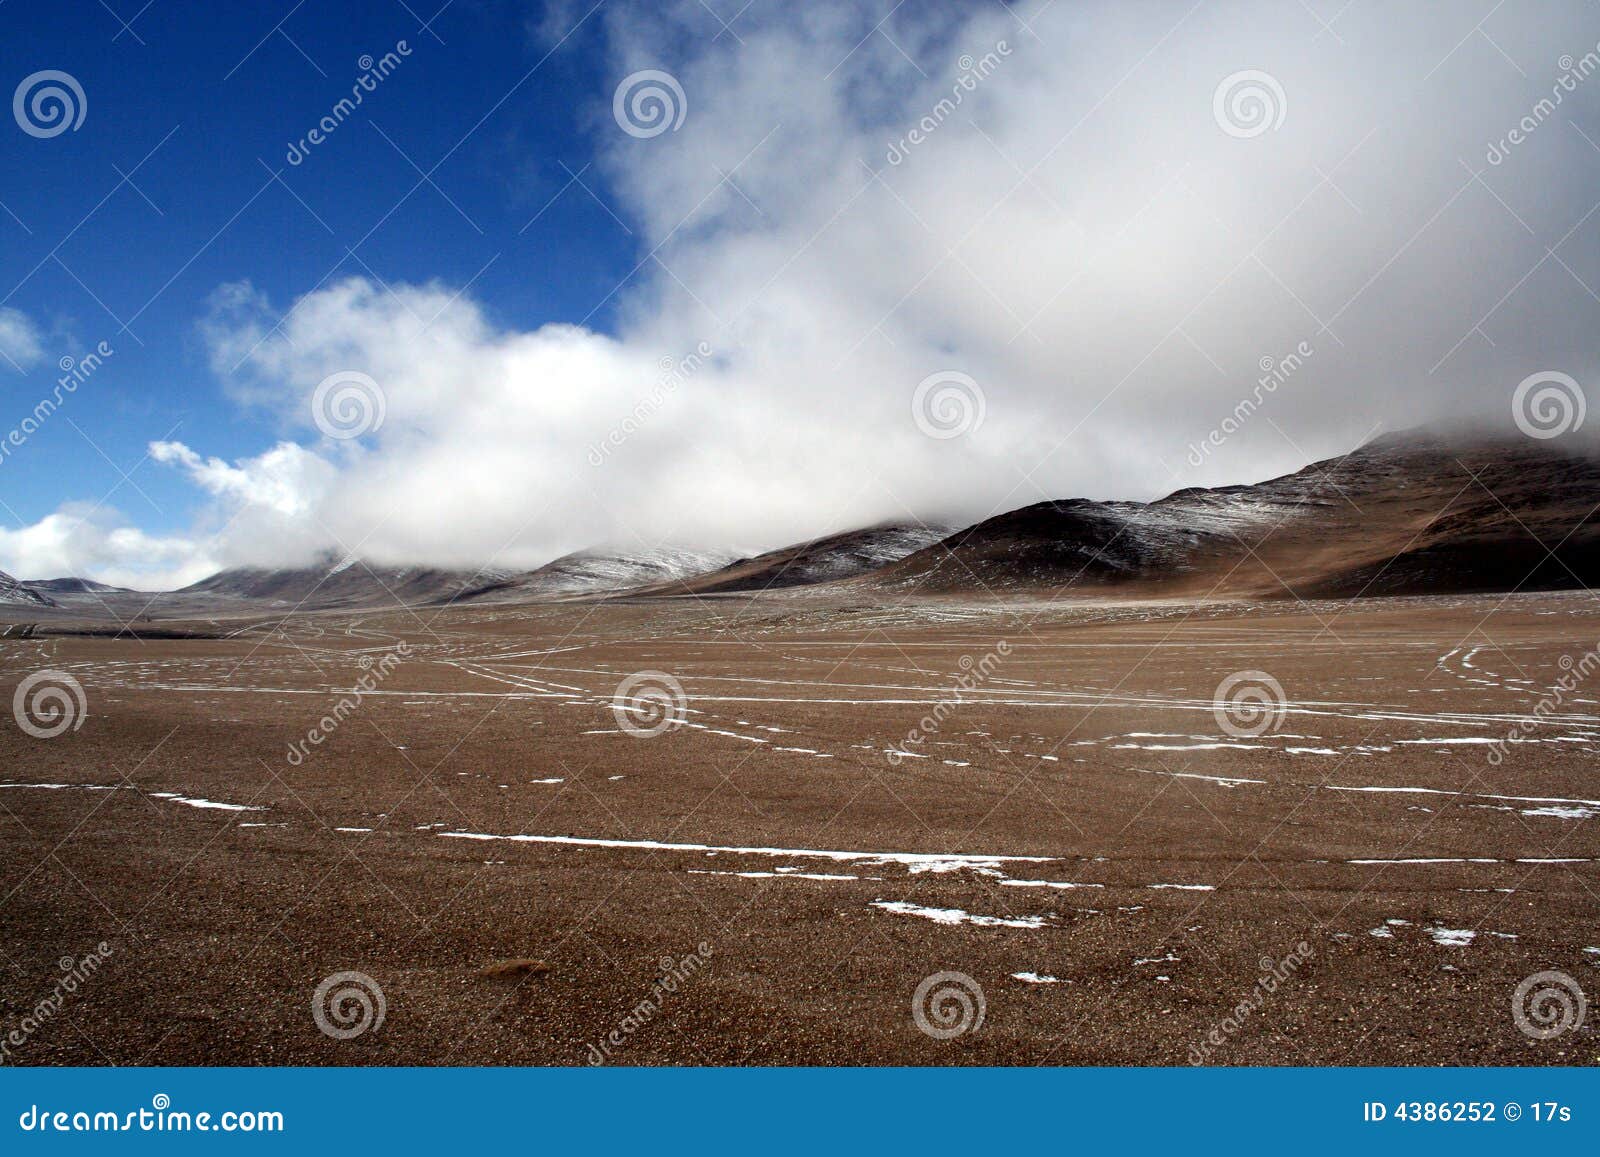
{"points": [[122, 230], [922, 261]]}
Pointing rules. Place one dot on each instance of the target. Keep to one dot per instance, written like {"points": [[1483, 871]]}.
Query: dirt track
{"points": [[1172, 855]]}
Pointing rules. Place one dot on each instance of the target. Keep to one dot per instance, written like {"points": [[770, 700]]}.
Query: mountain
{"points": [[343, 584], [600, 571], [74, 586], [355, 584], [1408, 513], [14, 593], [821, 560]]}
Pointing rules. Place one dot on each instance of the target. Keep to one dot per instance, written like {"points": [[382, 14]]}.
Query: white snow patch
{"points": [[958, 916], [1035, 978], [916, 861], [1219, 780], [209, 804], [791, 874]]}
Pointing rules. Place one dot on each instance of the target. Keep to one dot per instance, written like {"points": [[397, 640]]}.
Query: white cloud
{"points": [[1079, 235], [78, 541], [20, 344], [284, 481]]}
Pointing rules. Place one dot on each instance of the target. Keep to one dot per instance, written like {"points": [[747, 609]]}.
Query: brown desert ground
{"points": [[482, 837]]}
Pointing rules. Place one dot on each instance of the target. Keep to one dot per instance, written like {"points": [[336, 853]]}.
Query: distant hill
{"points": [[1405, 514], [1411, 513], [74, 586], [353, 584], [17, 593], [600, 571], [821, 560]]}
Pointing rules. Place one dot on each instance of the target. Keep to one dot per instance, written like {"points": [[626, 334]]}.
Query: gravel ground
{"points": [[773, 877]]}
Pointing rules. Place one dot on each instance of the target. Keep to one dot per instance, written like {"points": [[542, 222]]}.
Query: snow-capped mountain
{"points": [[1405, 513], [821, 560], [16, 593]]}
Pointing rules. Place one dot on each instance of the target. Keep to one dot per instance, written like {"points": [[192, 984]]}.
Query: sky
{"points": [[730, 275]]}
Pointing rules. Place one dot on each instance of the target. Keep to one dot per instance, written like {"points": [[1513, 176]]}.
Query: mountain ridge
{"points": [[1412, 512], [1407, 513]]}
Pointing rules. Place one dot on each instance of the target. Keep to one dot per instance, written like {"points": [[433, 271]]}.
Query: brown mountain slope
{"points": [[820, 560], [599, 572], [12, 591], [337, 584], [1406, 513]]}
